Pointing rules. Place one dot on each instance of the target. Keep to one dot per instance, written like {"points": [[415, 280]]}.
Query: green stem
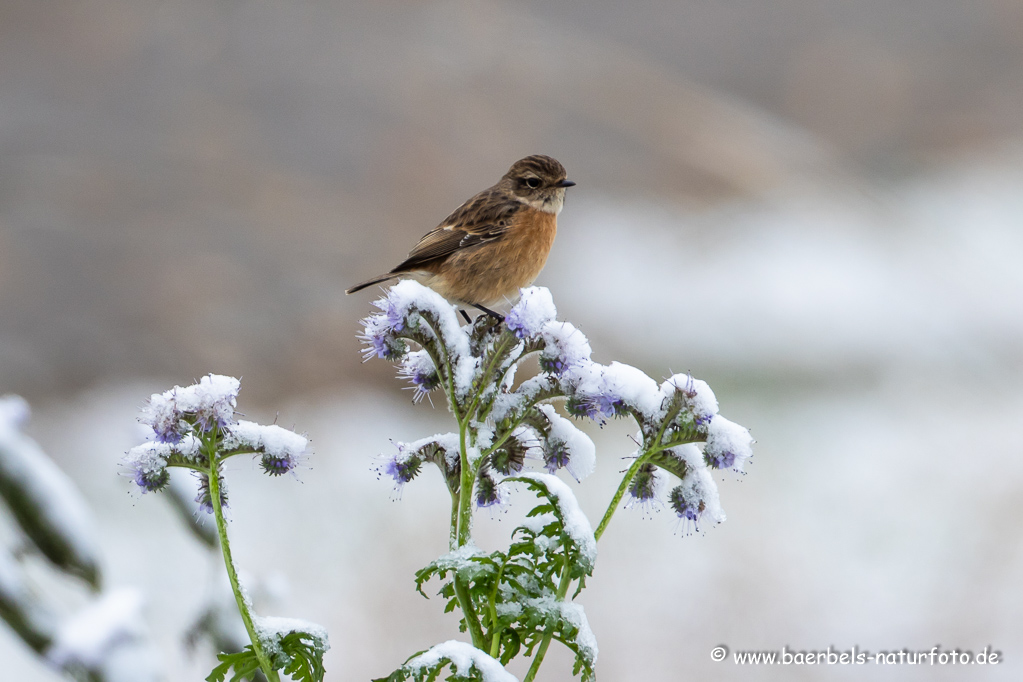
{"points": [[549, 632], [465, 487], [453, 534], [472, 620], [618, 495], [464, 535], [225, 546], [495, 632]]}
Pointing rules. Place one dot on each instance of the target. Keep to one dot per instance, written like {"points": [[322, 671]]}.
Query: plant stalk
{"points": [[225, 546]]}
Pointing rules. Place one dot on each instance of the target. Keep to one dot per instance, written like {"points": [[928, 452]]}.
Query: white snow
{"points": [[690, 453], [270, 439], [576, 524], [534, 310], [88, 637], [724, 436], [409, 294], [699, 486], [633, 387], [214, 397], [582, 452], [699, 398], [463, 658], [271, 629], [149, 457], [566, 343], [584, 638]]}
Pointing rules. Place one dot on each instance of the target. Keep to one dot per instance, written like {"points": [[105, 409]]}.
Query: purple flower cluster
{"points": [[191, 424], [199, 407], [695, 500], [645, 486], [532, 313]]}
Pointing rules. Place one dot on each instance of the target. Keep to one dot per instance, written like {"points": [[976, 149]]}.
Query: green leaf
{"points": [[245, 664]]}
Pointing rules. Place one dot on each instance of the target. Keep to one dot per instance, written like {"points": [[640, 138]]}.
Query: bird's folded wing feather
{"points": [[484, 218]]}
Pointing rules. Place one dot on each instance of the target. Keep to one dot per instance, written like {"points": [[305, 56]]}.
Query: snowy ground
{"points": [[874, 346]]}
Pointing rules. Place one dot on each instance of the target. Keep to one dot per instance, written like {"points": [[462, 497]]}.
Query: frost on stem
{"points": [[195, 427]]}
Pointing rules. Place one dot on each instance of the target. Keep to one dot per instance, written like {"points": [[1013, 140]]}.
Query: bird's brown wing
{"points": [[484, 218]]}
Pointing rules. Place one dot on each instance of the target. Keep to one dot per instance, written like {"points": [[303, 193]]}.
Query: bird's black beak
{"points": [[564, 183]]}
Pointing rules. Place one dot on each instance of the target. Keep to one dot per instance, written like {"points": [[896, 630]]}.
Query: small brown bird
{"points": [[493, 244]]}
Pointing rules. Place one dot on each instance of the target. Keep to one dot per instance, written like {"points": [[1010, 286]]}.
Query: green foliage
{"points": [[298, 654], [244, 663], [433, 672], [520, 595]]}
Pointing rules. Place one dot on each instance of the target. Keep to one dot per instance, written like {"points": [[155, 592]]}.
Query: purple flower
{"points": [[381, 342], [688, 507], [509, 459], [596, 407], [534, 309], [419, 370], [278, 465], [644, 486], [205, 499], [403, 471], [404, 466], [489, 493], [721, 460], [695, 500], [150, 480], [555, 455]]}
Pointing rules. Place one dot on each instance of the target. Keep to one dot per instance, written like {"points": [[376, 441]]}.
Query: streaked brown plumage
{"points": [[495, 243]]}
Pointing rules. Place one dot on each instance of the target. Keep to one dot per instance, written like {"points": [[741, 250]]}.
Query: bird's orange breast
{"points": [[495, 271]]}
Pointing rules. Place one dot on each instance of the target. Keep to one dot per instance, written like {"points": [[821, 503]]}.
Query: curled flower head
{"points": [[566, 446], [380, 340], [393, 315], [698, 398], [404, 465], [597, 407], [728, 445], [148, 465], [489, 492], [205, 499], [695, 500], [565, 347], [278, 465], [645, 487], [151, 481], [534, 310], [687, 507], [418, 368], [403, 470], [555, 455], [509, 459]]}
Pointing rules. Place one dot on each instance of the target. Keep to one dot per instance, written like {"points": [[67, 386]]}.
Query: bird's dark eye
{"points": [[533, 182]]}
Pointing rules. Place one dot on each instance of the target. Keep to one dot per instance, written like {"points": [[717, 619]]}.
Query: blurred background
{"points": [[814, 206]]}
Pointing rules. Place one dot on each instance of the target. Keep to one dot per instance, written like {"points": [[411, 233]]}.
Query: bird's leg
{"points": [[468, 320], [488, 311]]}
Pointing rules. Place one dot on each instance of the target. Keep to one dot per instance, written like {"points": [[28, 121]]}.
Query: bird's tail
{"points": [[371, 282]]}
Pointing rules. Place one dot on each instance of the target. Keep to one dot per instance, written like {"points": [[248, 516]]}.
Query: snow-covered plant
{"points": [[516, 601], [195, 428], [103, 640]]}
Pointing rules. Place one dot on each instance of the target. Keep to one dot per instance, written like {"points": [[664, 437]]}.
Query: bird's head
{"points": [[539, 181]]}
